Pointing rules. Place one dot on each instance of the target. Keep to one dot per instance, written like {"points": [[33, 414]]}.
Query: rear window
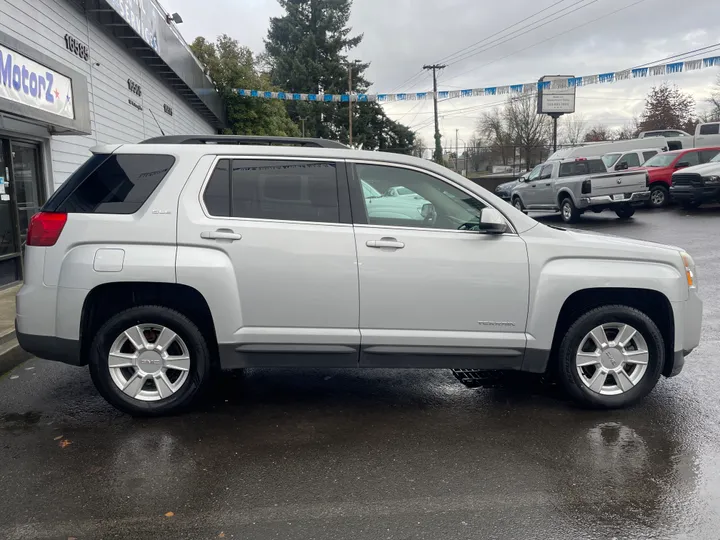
{"points": [[587, 166], [111, 184], [710, 129]]}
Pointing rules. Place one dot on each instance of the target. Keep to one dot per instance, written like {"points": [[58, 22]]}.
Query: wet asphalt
{"points": [[376, 454]]}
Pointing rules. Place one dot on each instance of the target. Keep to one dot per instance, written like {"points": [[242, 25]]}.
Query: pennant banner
{"points": [[526, 88]]}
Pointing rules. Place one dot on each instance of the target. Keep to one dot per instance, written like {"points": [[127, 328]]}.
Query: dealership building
{"points": [[78, 73]]}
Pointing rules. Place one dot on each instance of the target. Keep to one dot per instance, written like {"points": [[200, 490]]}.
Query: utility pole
{"points": [[457, 155], [302, 121], [350, 107], [437, 155]]}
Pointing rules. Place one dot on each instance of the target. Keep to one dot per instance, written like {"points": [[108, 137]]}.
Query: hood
{"points": [[706, 169], [506, 186]]}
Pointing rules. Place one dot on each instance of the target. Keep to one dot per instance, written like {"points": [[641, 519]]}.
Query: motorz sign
{"points": [[29, 83]]}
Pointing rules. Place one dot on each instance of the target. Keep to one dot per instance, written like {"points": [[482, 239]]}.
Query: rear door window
{"points": [[111, 184]]}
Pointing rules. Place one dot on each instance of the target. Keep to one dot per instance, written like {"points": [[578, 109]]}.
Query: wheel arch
{"points": [[563, 194], [107, 299]]}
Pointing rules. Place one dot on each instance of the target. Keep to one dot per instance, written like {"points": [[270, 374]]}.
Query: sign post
{"points": [[555, 98]]}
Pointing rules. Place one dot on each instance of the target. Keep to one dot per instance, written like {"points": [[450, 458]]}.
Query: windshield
{"points": [[660, 160], [610, 159], [369, 191], [716, 158]]}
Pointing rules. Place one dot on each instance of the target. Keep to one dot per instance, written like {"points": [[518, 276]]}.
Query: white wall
{"points": [[43, 24]]}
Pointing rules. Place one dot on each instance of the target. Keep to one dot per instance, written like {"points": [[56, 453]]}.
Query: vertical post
{"points": [[457, 154], [555, 119], [350, 104], [438, 153], [302, 122]]}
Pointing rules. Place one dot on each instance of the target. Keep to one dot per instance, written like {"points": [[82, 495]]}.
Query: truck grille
{"points": [[687, 180]]}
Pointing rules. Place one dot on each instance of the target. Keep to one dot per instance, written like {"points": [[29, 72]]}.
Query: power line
{"points": [[549, 39], [674, 56]]}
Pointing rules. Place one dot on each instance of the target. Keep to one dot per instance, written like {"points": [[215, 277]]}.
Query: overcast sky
{"points": [[574, 37]]}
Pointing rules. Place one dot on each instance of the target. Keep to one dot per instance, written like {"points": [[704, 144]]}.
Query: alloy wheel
{"points": [[149, 362]]}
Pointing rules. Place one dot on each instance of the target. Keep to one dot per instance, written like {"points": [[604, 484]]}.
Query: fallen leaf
{"points": [[29, 368], [15, 377], [170, 514], [65, 443], [58, 438], [221, 535]]}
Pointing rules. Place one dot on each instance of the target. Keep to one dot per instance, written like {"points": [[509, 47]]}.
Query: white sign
{"points": [[142, 17], [27, 82], [558, 98]]}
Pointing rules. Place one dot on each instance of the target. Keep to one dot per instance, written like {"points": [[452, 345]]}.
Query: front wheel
{"points": [[150, 361], [570, 213], [611, 357], [625, 212], [659, 196], [518, 204]]}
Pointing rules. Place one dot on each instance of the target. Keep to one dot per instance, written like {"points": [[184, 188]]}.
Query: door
{"points": [[280, 229], [26, 183], [10, 257], [544, 191], [527, 189], [435, 292]]}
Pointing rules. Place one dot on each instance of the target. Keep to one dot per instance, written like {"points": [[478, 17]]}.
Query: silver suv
{"points": [[159, 263]]}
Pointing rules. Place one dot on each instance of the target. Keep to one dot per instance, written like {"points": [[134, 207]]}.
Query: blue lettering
{"points": [[33, 84], [48, 95], [6, 69], [17, 76], [25, 75], [41, 86]]}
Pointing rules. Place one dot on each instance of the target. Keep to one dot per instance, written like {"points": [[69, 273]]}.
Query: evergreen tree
{"points": [[307, 49], [666, 107]]}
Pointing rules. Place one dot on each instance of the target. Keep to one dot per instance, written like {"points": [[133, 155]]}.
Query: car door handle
{"points": [[385, 243], [221, 234], [549, 184], [533, 185]]}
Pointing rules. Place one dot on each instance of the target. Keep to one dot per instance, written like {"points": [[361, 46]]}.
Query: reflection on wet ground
{"points": [[333, 454]]}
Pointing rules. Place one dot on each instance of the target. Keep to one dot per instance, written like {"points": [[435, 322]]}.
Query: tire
{"points": [[568, 211], [690, 205], [189, 351], [659, 196], [577, 340], [625, 212], [518, 204]]}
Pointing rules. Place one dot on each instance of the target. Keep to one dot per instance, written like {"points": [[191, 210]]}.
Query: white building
{"points": [[76, 73]]}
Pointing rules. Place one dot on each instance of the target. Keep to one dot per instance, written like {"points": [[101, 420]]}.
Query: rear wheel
{"points": [[611, 357], [625, 211], [659, 196], [150, 361], [570, 213], [517, 203]]}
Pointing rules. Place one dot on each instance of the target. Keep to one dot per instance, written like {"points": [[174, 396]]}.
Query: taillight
{"points": [[647, 179], [45, 228], [586, 186]]}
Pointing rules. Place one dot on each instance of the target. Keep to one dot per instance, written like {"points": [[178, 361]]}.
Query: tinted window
{"points": [[217, 192], [285, 190], [648, 155], [707, 155], [436, 204], [585, 166], [710, 129], [111, 184], [546, 172], [631, 159], [691, 158]]}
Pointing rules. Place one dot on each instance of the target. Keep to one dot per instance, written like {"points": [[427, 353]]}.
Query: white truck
{"points": [[574, 185]]}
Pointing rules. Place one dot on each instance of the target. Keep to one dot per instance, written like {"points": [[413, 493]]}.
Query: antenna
{"points": [[156, 121]]}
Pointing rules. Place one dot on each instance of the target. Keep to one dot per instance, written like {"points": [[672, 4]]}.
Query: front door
{"points": [[544, 192], [283, 231], [435, 292], [10, 263]]}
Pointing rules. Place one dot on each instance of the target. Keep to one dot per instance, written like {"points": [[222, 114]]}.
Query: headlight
{"points": [[690, 274], [712, 179]]}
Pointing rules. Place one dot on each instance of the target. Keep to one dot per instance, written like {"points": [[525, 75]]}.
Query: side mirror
{"points": [[682, 165], [621, 166], [427, 211], [492, 222]]}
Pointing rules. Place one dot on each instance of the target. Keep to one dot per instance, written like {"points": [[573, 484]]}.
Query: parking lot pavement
{"points": [[349, 454]]}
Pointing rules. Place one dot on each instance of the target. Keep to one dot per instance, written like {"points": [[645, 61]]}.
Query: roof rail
{"points": [[245, 139]]}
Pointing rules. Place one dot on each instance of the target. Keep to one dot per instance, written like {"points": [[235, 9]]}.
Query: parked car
{"points": [[619, 161], [408, 205], [696, 185], [663, 133], [661, 167], [575, 185], [160, 263], [588, 150], [504, 191]]}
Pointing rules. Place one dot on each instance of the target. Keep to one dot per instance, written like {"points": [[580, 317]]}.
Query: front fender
{"points": [[558, 279]]}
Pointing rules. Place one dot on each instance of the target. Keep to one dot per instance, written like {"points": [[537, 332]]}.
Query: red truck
{"points": [[661, 167]]}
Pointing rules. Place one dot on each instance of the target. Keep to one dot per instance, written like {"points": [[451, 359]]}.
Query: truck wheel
{"points": [[518, 204], [570, 213], [611, 357], [659, 196], [150, 361], [625, 211]]}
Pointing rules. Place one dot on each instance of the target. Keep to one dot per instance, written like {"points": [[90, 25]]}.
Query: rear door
{"points": [[272, 241]]}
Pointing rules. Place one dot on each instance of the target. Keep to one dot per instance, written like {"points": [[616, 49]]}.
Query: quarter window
{"points": [[282, 190], [432, 203]]}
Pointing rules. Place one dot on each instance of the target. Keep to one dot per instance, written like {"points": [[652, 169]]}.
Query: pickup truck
{"points": [[661, 167], [696, 185], [573, 186]]}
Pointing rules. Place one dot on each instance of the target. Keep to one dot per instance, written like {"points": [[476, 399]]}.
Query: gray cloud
{"points": [[402, 35]]}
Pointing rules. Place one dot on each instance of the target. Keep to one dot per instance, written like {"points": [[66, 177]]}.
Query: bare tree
{"points": [[530, 131], [599, 133], [418, 147], [493, 127], [714, 101], [572, 129]]}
